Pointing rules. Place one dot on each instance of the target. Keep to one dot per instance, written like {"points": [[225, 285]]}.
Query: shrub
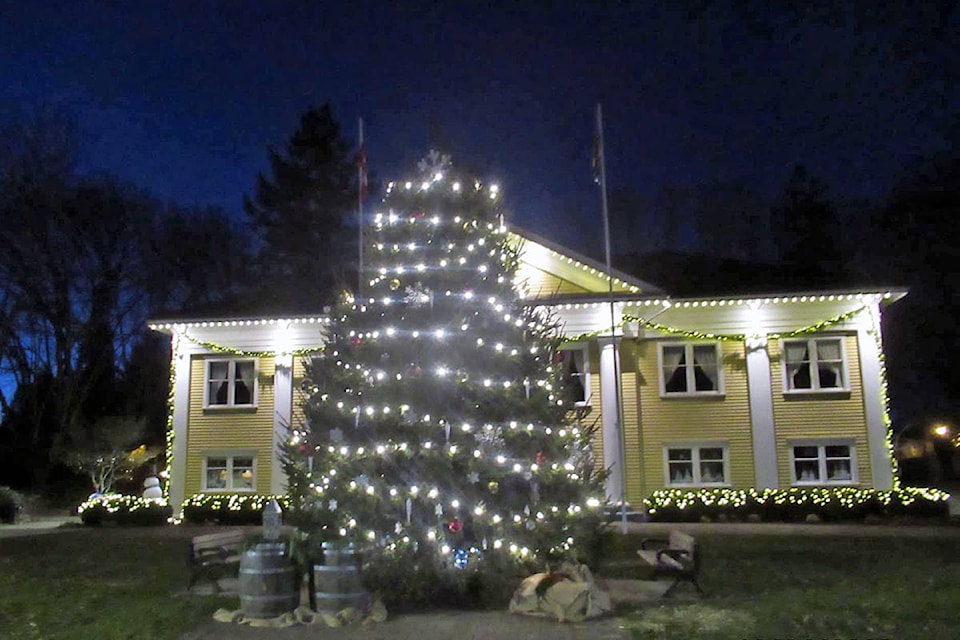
{"points": [[794, 504], [125, 510], [228, 508], [11, 503]]}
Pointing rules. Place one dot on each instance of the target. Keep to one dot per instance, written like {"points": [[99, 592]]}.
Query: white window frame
{"points": [[695, 447], [231, 382], [230, 457], [821, 444], [811, 343], [690, 370], [584, 350]]}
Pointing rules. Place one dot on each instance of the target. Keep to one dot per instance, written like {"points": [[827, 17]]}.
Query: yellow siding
{"points": [[668, 420], [540, 284], [819, 416], [631, 421], [299, 375], [226, 430]]}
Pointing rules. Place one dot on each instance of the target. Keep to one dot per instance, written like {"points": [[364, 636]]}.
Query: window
{"points": [[697, 465], [823, 463], [690, 369], [576, 374], [816, 364], [231, 383], [229, 473]]}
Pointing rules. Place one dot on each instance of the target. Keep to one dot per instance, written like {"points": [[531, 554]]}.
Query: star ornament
{"points": [[434, 163]]}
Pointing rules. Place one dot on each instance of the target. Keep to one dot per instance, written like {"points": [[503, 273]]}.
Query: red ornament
{"points": [[357, 341], [420, 214], [455, 526], [540, 457]]}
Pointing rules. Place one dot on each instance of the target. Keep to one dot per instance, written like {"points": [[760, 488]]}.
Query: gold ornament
{"points": [[394, 284]]}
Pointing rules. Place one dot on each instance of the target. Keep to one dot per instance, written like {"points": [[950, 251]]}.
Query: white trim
{"points": [[229, 455], [762, 423], [691, 392], [282, 421], [695, 447], [881, 467], [821, 444], [231, 381], [815, 388], [612, 451]]}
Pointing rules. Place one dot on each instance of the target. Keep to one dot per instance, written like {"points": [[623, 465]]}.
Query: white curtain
{"points": [[671, 361], [797, 359], [706, 359], [829, 361]]}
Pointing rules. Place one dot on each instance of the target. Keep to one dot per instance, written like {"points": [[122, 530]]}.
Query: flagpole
{"points": [[361, 170], [618, 423]]}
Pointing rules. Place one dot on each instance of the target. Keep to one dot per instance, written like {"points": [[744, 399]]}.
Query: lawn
{"points": [[813, 587], [114, 583], [108, 583]]}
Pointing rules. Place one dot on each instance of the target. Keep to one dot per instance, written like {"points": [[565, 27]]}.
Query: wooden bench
{"points": [[677, 557], [215, 550]]}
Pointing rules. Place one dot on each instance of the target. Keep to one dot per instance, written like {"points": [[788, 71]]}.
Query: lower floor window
{"points": [[823, 463], [697, 465], [229, 473]]}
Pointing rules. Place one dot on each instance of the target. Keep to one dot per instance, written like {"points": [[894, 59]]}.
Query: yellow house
{"points": [[770, 391]]}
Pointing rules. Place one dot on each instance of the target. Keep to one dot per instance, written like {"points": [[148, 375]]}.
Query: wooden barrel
{"points": [[336, 582], [268, 581]]}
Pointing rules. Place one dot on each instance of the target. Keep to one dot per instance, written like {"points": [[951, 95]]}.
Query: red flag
{"points": [[362, 166]]}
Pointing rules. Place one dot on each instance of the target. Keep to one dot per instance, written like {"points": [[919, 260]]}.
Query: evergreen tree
{"points": [[435, 419], [299, 213]]}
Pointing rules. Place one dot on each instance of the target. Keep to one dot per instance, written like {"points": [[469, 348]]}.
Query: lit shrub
{"points": [[794, 504], [228, 508], [125, 510]]}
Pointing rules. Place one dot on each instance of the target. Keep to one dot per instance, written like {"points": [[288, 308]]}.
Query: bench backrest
{"points": [[685, 542], [217, 540]]}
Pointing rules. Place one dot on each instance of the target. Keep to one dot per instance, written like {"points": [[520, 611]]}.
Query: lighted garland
{"points": [[243, 353], [170, 435], [820, 499], [885, 402]]}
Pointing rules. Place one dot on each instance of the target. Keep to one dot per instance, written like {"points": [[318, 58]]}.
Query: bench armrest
{"points": [[678, 555], [653, 541]]}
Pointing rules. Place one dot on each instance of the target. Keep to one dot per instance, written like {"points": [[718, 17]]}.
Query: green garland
{"points": [[722, 337], [219, 348]]}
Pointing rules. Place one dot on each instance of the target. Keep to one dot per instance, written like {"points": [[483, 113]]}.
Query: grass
{"points": [[114, 583], [812, 587], [108, 583]]}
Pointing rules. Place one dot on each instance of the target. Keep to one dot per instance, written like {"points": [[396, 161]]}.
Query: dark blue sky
{"points": [[183, 98]]}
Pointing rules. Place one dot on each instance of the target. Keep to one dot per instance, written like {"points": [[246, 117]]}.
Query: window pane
{"points": [[216, 473], [219, 370], [711, 453], [799, 376], [711, 471], [681, 473], [243, 381], [573, 374], [705, 373], [838, 470], [830, 377], [217, 392], [805, 452], [680, 454], [796, 352], [807, 470], [243, 473], [838, 451], [674, 370], [828, 350]]}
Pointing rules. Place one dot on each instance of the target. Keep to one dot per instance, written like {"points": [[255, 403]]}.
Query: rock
{"points": [[812, 518]]}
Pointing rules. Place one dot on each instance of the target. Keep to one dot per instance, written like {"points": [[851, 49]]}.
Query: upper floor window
{"points": [[814, 364], [690, 368], [231, 383], [576, 374]]}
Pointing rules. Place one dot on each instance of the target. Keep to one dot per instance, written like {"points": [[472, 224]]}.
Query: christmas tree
{"points": [[435, 417]]}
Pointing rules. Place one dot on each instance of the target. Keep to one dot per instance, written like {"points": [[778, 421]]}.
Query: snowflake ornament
{"points": [[435, 163]]}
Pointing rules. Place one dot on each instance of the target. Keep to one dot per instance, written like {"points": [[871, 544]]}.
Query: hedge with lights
{"points": [[228, 508], [125, 510], [794, 504]]}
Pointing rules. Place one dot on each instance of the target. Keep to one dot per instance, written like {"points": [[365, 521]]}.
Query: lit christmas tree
{"points": [[435, 417]]}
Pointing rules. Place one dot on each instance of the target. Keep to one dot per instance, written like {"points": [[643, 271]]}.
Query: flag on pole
{"points": [[362, 167]]}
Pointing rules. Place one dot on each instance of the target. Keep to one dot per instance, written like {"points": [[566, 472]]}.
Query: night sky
{"points": [[183, 98]]}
